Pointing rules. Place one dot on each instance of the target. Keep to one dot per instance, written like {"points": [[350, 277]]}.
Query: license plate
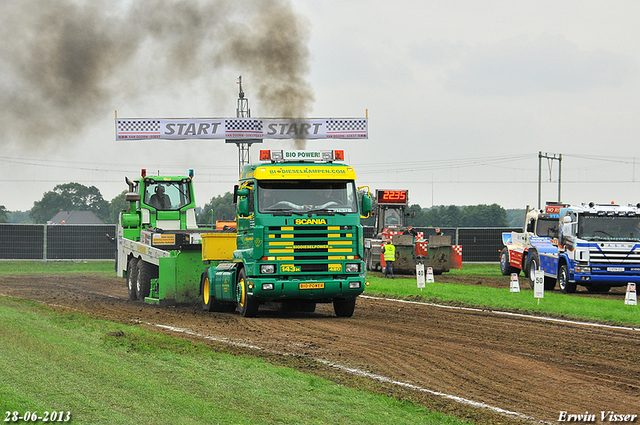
{"points": [[615, 269], [311, 285]]}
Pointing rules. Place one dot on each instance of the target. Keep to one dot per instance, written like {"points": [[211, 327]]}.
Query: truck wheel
{"points": [[367, 259], [549, 283], [207, 299], [598, 288], [132, 278], [344, 307], [505, 268], [563, 280], [143, 281], [534, 264], [247, 307]]}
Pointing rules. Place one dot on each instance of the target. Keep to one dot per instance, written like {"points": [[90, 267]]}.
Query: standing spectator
{"points": [[389, 251]]}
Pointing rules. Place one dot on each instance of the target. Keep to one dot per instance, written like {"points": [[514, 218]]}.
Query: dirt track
{"points": [[533, 367]]}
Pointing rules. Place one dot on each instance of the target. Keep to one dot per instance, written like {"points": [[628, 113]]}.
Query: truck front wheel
{"points": [[132, 278], [534, 264], [563, 280], [247, 307], [344, 307], [505, 268]]}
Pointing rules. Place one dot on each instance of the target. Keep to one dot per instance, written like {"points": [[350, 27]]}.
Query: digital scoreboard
{"points": [[393, 197]]}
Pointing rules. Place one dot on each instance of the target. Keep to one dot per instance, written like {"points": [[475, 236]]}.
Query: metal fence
{"points": [[479, 244], [56, 242], [89, 242]]}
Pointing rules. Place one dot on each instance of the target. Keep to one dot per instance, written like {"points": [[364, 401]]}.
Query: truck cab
{"points": [[299, 239], [162, 202], [599, 246], [538, 223]]}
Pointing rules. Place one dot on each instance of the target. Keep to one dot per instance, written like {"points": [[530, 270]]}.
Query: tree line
{"points": [[77, 197]]}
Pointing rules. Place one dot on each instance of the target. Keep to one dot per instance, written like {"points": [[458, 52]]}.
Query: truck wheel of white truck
{"points": [[132, 278], [505, 268], [534, 263], [247, 307], [563, 280]]}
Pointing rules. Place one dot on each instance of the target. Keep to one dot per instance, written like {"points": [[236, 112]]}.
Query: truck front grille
{"points": [[291, 243]]}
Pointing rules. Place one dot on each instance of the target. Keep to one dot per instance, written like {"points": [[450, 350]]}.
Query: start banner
{"points": [[241, 128]]}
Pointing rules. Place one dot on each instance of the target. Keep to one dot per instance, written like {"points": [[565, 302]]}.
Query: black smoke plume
{"points": [[65, 63]]}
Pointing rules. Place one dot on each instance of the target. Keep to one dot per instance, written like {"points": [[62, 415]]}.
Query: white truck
{"points": [[598, 247], [538, 223]]}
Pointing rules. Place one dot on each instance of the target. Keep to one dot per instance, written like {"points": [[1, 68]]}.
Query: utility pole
{"points": [[555, 157], [243, 111]]}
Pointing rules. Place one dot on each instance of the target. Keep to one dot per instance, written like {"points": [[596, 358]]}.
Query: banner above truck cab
{"points": [[304, 172], [241, 128]]}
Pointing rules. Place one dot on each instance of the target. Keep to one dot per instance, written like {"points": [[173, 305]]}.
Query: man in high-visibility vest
{"points": [[389, 251]]}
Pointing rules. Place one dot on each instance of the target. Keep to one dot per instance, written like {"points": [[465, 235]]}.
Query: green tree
{"points": [[4, 218], [116, 205], [69, 197], [219, 208]]}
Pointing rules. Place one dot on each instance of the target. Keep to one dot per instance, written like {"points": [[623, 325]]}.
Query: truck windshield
{"points": [[598, 228], [547, 227], [167, 196], [322, 197]]}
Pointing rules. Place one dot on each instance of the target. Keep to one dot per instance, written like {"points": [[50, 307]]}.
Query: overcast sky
{"points": [[461, 95]]}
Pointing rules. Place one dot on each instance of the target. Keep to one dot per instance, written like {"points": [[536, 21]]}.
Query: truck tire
{"points": [[534, 264], [132, 278], [344, 307], [505, 268], [367, 259], [143, 281], [549, 283], [207, 299], [598, 288], [247, 307], [209, 303], [563, 280]]}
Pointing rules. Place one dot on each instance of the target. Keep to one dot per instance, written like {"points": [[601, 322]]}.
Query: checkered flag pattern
{"points": [[138, 126], [243, 125], [347, 125]]}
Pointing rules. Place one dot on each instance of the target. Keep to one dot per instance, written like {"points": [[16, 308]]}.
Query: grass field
{"points": [[104, 268], [610, 310], [104, 372], [107, 373]]}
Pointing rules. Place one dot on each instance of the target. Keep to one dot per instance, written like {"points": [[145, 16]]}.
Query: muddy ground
{"points": [[535, 368]]}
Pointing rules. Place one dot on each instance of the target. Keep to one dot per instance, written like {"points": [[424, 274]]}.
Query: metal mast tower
{"points": [[243, 111]]}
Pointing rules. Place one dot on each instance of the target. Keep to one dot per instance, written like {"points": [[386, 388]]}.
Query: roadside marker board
{"points": [[538, 287], [631, 298], [515, 285], [420, 275]]}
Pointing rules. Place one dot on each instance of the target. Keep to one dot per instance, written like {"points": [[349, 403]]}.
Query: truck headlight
{"points": [[267, 268], [267, 286], [352, 268], [354, 285], [583, 269]]}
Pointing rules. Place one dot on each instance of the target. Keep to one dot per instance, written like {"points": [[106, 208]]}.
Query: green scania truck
{"points": [[299, 237]]}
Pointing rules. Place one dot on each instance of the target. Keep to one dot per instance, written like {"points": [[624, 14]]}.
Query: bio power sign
{"points": [[241, 128]]}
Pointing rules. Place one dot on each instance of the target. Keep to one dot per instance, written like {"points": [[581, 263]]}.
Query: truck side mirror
{"points": [[366, 206], [531, 226], [564, 229], [241, 198], [243, 206]]}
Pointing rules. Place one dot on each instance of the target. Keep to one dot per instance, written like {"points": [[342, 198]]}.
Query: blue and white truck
{"points": [[598, 248]]}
